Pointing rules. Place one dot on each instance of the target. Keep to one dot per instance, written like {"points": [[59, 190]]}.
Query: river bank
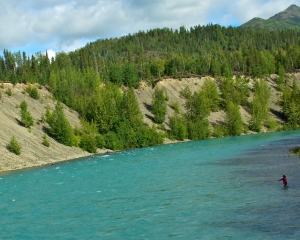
{"points": [[34, 153]]}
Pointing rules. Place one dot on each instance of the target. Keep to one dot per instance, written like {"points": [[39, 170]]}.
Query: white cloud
{"points": [[51, 53], [64, 25]]}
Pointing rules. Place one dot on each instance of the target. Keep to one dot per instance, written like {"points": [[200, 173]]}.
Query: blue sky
{"points": [[65, 25]]}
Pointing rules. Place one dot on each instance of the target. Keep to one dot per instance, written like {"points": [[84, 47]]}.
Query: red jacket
{"points": [[284, 180]]}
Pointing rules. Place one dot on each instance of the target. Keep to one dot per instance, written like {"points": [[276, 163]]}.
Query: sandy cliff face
{"points": [[34, 153], [173, 87]]}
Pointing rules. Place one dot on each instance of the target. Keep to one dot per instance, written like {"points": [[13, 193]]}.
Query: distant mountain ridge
{"points": [[287, 19]]}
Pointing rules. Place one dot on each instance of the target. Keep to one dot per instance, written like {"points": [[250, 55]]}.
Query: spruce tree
{"points": [[26, 117], [159, 106], [60, 128], [14, 146], [260, 105]]}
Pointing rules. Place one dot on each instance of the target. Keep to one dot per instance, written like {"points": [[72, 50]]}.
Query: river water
{"points": [[214, 189]]}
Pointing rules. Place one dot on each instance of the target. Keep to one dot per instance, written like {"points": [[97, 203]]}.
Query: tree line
{"points": [[98, 80]]}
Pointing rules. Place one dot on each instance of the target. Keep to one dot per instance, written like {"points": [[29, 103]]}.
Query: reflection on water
{"points": [[215, 189]]}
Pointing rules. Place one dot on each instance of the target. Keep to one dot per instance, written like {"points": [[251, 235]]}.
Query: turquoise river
{"points": [[213, 189]]}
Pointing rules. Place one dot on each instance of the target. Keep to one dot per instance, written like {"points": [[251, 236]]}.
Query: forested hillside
{"points": [[98, 81]]}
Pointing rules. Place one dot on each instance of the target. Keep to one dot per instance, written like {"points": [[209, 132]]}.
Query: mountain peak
{"points": [[287, 19]]}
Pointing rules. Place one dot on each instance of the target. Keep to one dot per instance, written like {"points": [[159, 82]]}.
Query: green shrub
{"points": [[34, 93], [295, 150], [112, 141], [100, 141], [175, 106], [159, 106], [199, 129], [88, 143], [178, 128], [60, 128], [9, 92], [219, 131], [272, 124], [26, 117], [13, 146], [46, 141], [186, 93]]}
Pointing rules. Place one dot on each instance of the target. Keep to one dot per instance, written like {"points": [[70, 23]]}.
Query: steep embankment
{"points": [[34, 153], [173, 87]]}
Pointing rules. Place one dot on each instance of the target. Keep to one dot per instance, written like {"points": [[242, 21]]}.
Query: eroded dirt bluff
{"points": [[34, 153], [173, 87]]}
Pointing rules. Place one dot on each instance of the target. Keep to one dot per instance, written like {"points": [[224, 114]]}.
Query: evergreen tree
{"points": [[178, 127], [260, 105], [159, 106], [14, 146], [233, 120], [197, 111], [60, 128], [197, 107], [210, 91], [290, 102], [88, 137], [130, 108], [26, 117]]}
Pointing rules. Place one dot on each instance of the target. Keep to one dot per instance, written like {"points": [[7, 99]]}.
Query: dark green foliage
{"points": [[130, 108], [295, 150], [233, 120], [34, 93], [290, 102], [88, 137], [197, 107], [116, 74], [235, 91], [26, 117], [260, 105], [89, 79], [130, 74], [112, 141], [210, 91], [60, 128], [100, 141], [197, 111], [88, 144], [148, 136], [159, 105], [14, 146], [178, 127], [219, 131], [199, 129]]}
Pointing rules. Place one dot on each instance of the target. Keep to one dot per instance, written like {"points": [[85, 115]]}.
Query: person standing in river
{"points": [[284, 180]]}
